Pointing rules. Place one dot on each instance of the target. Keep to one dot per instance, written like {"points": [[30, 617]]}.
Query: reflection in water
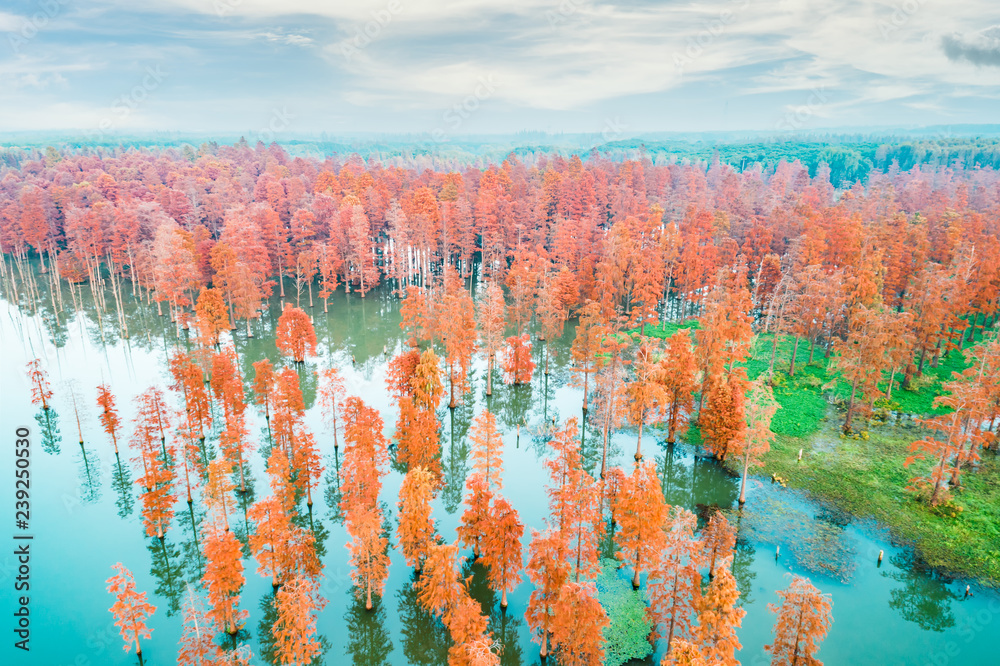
{"points": [[674, 475], [479, 585], [191, 548], [512, 404], [921, 601], [506, 628], [924, 596], [166, 567], [88, 471], [122, 483], [590, 447], [815, 545], [265, 635], [369, 643], [743, 558], [503, 625], [244, 500], [48, 425], [309, 381], [711, 483], [425, 638], [320, 532], [456, 463], [332, 494]]}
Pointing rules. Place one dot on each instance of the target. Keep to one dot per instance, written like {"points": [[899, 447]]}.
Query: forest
{"points": [[823, 331]]}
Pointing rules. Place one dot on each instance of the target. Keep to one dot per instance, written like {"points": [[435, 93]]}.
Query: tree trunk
{"points": [[489, 375], [850, 406], [798, 636], [774, 351], [795, 350], [673, 614], [451, 380], [638, 443], [743, 483]]}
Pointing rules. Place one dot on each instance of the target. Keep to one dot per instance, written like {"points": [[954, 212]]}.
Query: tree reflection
{"points": [[456, 467], [190, 549], [425, 638], [675, 478], [743, 557], [512, 404], [90, 478], [924, 597], [265, 629], [166, 568], [332, 495], [711, 483], [122, 483], [503, 626], [48, 425], [369, 643], [591, 447]]}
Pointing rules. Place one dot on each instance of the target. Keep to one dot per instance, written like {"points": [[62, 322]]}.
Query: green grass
{"points": [[865, 474], [666, 329], [867, 477], [803, 398]]}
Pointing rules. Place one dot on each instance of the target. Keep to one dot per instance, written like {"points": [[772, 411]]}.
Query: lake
{"points": [[85, 514]]}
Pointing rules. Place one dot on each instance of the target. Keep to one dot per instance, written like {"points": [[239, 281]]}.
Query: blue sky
{"points": [[275, 69]]}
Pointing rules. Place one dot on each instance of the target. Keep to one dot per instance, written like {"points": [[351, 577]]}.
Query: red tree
{"points": [[416, 526], [803, 621], [131, 610], [640, 512], [109, 414], [578, 625], [297, 603], [41, 392], [295, 336], [502, 548]]}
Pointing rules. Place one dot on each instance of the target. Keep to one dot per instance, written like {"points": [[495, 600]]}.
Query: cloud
{"points": [[982, 48], [289, 40], [11, 22], [401, 64]]}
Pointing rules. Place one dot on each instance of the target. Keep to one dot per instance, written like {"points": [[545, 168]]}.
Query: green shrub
{"points": [[627, 635]]}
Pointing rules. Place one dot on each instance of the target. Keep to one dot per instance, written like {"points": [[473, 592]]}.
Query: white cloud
{"points": [[11, 22], [554, 56], [564, 54], [290, 40]]}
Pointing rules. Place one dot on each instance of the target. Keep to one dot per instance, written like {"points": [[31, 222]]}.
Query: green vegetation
{"points": [[803, 398], [666, 329], [627, 637], [865, 475]]}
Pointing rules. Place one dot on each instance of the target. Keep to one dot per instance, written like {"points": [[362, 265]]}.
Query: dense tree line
{"points": [[884, 279]]}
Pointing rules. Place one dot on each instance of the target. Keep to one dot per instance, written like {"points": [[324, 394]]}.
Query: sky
{"points": [[444, 68]]}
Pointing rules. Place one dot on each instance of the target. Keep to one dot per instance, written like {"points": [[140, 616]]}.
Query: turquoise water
{"points": [[85, 514]]}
